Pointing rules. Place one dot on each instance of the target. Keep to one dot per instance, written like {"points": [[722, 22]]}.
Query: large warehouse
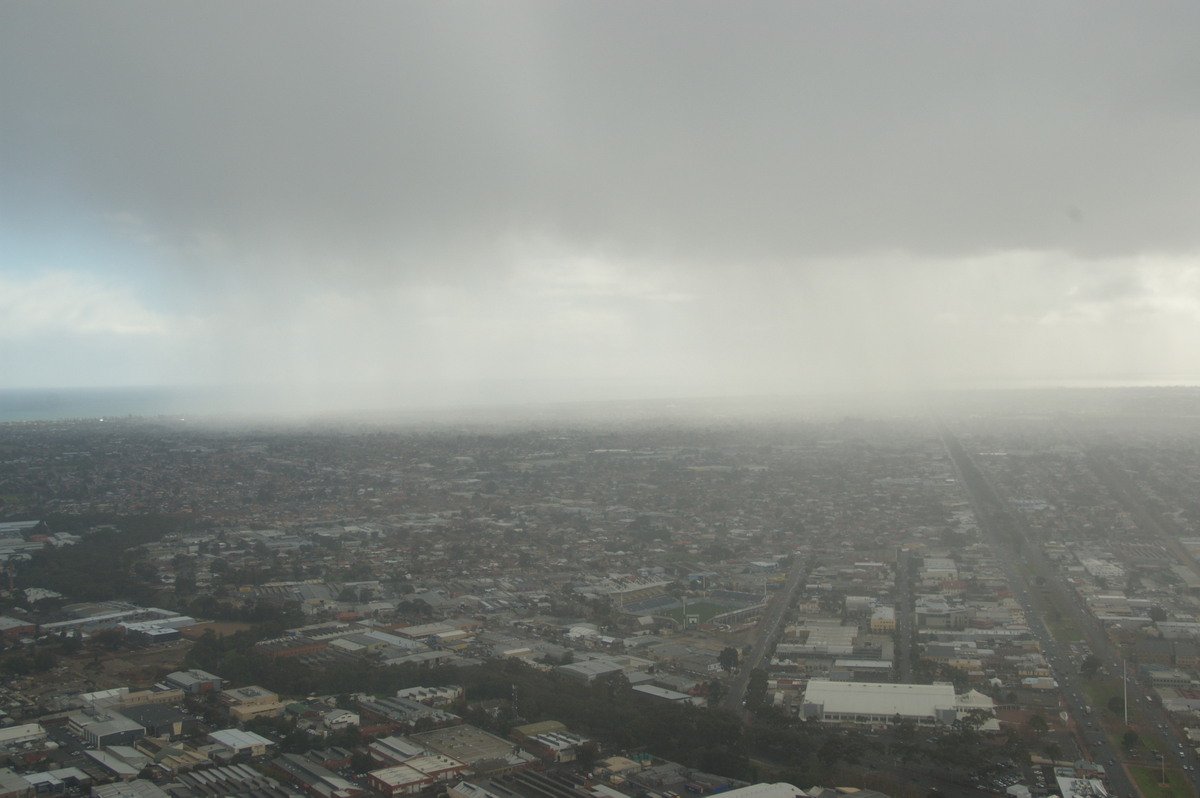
{"points": [[878, 703]]}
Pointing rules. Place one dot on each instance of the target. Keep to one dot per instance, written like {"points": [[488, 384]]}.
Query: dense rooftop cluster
{"points": [[637, 557]]}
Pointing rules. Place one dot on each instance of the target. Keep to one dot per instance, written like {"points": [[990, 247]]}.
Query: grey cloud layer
{"points": [[722, 129], [692, 193]]}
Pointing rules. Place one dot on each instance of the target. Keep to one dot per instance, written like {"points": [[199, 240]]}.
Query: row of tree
{"points": [[106, 564]]}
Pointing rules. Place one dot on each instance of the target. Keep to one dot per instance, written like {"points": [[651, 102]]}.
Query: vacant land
{"points": [[219, 628], [95, 668]]}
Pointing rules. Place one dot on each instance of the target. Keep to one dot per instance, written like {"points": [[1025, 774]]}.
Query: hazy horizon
{"points": [[225, 407], [389, 205]]}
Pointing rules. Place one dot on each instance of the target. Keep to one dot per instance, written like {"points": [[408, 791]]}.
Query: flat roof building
{"points": [[399, 780], [878, 703], [237, 741], [765, 790], [194, 681]]}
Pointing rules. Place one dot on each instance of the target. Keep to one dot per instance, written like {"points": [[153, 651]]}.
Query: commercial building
{"points": [[314, 778], [252, 701], [764, 790], [15, 628], [883, 620], [194, 681], [483, 752], [18, 735], [878, 703], [99, 728], [236, 741], [549, 740], [399, 780], [13, 786]]}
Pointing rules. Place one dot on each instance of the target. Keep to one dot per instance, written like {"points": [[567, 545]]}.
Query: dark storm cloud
{"points": [[664, 197], [719, 130]]}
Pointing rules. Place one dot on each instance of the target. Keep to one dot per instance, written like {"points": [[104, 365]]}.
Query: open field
{"points": [[705, 610], [219, 628], [96, 669], [1149, 781]]}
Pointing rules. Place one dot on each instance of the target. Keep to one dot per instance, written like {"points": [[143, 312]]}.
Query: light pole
{"points": [[1125, 687]]}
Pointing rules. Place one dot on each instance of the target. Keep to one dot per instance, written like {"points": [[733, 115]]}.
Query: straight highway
{"points": [[1004, 531], [765, 634]]}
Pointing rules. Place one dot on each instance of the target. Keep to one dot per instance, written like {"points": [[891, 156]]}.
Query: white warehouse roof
{"points": [[871, 698], [766, 790]]}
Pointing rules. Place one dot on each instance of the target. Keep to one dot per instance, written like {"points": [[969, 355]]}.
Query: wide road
{"points": [[1021, 559], [905, 618], [765, 633]]}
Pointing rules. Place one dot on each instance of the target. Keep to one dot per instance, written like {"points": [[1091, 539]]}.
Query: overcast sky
{"points": [[468, 202]]}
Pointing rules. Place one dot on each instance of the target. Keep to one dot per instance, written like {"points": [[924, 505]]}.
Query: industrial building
{"points": [[879, 703]]}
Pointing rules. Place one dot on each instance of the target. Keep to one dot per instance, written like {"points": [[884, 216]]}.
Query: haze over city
{"points": [[599, 399], [335, 205]]}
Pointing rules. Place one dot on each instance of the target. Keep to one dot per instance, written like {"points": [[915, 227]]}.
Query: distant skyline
{"points": [[335, 205]]}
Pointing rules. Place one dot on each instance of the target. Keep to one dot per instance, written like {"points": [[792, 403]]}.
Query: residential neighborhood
{"points": [[1001, 604]]}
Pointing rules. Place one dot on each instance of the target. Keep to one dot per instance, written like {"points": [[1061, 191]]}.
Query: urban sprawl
{"points": [[996, 597]]}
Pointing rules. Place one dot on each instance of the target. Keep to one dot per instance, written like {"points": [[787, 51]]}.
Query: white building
{"points": [[764, 790], [1070, 787], [879, 703], [237, 741], [17, 735]]}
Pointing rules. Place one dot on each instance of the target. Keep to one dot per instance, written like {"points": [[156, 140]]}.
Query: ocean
{"points": [[50, 404], [200, 402]]}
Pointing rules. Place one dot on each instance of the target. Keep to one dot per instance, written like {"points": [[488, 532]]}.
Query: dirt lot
{"points": [[219, 628], [137, 669], [95, 668]]}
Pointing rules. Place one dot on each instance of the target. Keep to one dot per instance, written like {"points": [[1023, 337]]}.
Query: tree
{"points": [[17, 664], [611, 685], [1130, 739], [43, 659], [1090, 666], [830, 751], [1016, 746], [1157, 614], [728, 658], [832, 603], [1038, 725], [957, 676], [973, 721], [1052, 750], [587, 754], [716, 691], [361, 762], [348, 737], [109, 638]]}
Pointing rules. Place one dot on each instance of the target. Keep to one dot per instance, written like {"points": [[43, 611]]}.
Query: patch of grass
{"points": [[1149, 782], [1065, 631], [1101, 691], [702, 608], [1058, 621]]}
